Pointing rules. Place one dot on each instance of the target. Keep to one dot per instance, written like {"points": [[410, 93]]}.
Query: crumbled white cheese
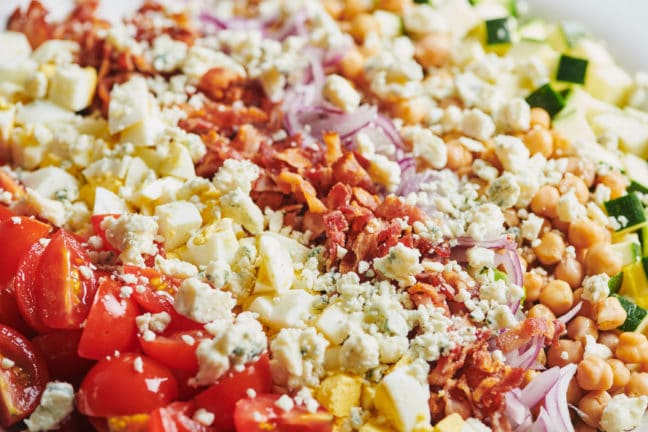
{"points": [[504, 191], [200, 302], [479, 257], [401, 264], [623, 413], [236, 174], [133, 235], [340, 92], [298, 357], [477, 124], [530, 229], [56, 403], [359, 353], [595, 288]]}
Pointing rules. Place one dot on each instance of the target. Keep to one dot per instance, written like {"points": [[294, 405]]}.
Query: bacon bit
{"points": [[515, 338], [335, 226], [348, 170], [313, 222], [221, 117], [366, 199], [392, 207], [333, 147], [294, 157], [303, 190], [428, 294], [216, 82], [247, 141], [32, 23]]}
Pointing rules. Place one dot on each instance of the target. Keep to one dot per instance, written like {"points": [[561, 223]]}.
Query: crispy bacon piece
{"points": [[348, 170], [335, 227], [32, 22], [333, 147], [216, 82], [392, 207], [521, 335], [303, 190], [428, 294]]}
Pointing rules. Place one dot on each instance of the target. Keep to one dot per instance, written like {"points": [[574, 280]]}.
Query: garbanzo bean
{"points": [[354, 7], [620, 372], [582, 427], [602, 258], [594, 373], [574, 392], [616, 182], [610, 339], [411, 110], [351, 65], [557, 296], [551, 248], [362, 24], [632, 347], [458, 156], [610, 314], [580, 327], [571, 271], [592, 406], [545, 200], [572, 182], [533, 283], [584, 233], [583, 168], [433, 50], [539, 140], [637, 385], [562, 146], [540, 117], [541, 311], [563, 352]]}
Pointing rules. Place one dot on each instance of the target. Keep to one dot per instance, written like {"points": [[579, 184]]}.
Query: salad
{"points": [[291, 215]]}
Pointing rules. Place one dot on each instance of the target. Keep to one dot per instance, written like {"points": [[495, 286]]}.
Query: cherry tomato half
{"points": [[222, 396], [173, 350], [126, 385], [59, 348], [22, 377], [261, 414], [24, 284], [110, 325], [16, 236], [64, 291], [175, 418]]}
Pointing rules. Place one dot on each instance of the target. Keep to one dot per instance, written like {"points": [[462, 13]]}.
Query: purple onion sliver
{"points": [[571, 313], [539, 386]]}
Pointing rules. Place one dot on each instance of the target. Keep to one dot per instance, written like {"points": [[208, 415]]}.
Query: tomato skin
{"points": [[110, 325], [172, 351], [64, 295], [5, 213], [113, 387], [261, 415], [24, 284], [96, 220], [221, 397], [59, 348], [175, 417], [22, 384], [16, 238]]}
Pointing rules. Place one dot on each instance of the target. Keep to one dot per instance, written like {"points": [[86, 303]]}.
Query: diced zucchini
{"points": [[632, 131], [546, 97], [637, 187], [498, 31], [572, 32], [533, 30], [635, 314], [644, 240], [629, 249], [421, 1], [572, 124], [614, 284], [628, 211], [571, 69], [608, 82], [635, 284], [637, 169]]}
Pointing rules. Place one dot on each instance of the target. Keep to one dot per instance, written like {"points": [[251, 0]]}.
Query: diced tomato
{"points": [[175, 418], [126, 385], [64, 293], [110, 325], [96, 220], [59, 348], [16, 236], [172, 349], [261, 414], [9, 314], [222, 396], [5, 213], [25, 287], [22, 383]]}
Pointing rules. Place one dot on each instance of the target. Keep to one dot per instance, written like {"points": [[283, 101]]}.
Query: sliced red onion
{"points": [[568, 316], [517, 412], [525, 357], [387, 125], [556, 400], [539, 386], [296, 25], [235, 23]]}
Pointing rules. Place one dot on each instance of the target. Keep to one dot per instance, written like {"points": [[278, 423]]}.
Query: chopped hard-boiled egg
{"points": [[214, 242], [130, 103], [73, 87], [13, 46], [403, 400], [276, 272], [177, 221], [292, 308], [339, 393]]}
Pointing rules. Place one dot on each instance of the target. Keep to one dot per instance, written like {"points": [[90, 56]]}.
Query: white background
{"points": [[623, 24]]}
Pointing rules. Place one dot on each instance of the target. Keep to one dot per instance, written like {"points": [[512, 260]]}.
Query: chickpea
{"points": [[610, 314], [571, 182], [637, 385], [632, 347], [594, 373], [540, 117], [601, 258], [539, 140], [610, 339], [582, 427], [571, 271], [411, 111], [541, 311], [580, 327], [574, 392], [584, 233], [354, 7], [545, 200], [620, 372], [397, 6], [561, 226], [562, 146], [458, 156], [551, 248], [616, 182], [583, 168], [592, 406], [533, 283], [351, 65], [433, 50], [563, 352], [557, 296], [334, 8], [361, 25]]}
